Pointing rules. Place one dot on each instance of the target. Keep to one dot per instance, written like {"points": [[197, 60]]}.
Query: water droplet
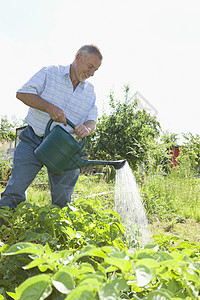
{"points": [[128, 204]]}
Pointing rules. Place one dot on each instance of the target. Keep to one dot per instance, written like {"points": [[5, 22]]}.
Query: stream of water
{"points": [[128, 204]]}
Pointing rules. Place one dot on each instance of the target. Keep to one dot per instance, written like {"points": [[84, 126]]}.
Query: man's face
{"points": [[86, 65]]}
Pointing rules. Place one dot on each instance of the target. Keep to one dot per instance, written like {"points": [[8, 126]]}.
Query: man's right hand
{"points": [[57, 114], [35, 101]]}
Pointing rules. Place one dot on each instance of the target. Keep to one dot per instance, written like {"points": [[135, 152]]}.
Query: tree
{"points": [[124, 133], [189, 155], [7, 129]]}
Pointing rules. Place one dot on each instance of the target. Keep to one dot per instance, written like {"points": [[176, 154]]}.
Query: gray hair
{"points": [[90, 49]]}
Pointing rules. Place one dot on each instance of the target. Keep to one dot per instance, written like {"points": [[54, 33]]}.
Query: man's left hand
{"points": [[81, 130]]}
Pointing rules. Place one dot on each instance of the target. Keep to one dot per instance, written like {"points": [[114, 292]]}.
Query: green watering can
{"points": [[61, 152]]}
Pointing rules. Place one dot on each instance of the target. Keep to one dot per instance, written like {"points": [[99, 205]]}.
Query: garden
{"points": [[82, 252]]}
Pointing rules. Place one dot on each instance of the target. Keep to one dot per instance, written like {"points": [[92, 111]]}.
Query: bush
{"points": [[124, 134], [5, 168]]}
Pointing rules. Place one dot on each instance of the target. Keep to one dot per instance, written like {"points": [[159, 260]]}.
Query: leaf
{"points": [[144, 254], [24, 248], [34, 288], [117, 254], [63, 282], [107, 249], [114, 213], [192, 276], [114, 231], [119, 284], [12, 295], [175, 264], [85, 292], [47, 250], [63, 254], [124, 265], [69, 231], [107, 291], [162, 256], [85, 268], [161, 294], [174, 286], [36, 262], [143, 275], [95, 279], [1, 297], [149, 262], [71, 270], [91, 251]]}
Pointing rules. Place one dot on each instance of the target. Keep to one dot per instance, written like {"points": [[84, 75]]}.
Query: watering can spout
{"points": [[118, 164]]}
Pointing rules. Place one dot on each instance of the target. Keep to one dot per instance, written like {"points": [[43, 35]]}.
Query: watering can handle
{"points": [[47, 130]]}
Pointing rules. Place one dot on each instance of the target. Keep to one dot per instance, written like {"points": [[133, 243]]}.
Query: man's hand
{"points": [[57, 114], [81, 130], [35, 101], [85, 129]]}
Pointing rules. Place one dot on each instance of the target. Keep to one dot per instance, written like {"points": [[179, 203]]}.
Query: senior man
{"points": [[54, 92]]}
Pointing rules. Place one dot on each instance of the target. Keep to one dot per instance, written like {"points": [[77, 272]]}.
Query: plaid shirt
{"points": [[54, 85]]}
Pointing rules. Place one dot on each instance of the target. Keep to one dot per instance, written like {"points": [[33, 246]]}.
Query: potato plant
{"points": [[81, 252]]}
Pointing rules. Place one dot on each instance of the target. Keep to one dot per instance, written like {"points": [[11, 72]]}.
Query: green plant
{"points": [[7, 128], [152, 272], [124, 133], [81, 251], [5, 168], [192, 144], [167, 196]]}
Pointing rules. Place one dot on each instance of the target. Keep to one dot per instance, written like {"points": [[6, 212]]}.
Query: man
{"points": [[54, 92]]}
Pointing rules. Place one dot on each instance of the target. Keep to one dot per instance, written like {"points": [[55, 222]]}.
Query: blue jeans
{"points": [[25, 168]]}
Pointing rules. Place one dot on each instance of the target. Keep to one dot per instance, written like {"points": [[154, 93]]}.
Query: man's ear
{"points": [[79, 56]]}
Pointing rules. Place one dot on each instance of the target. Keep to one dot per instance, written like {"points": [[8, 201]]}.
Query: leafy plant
{"points": [[5, 168], [107, 272], [7, 128], [123, 134]]}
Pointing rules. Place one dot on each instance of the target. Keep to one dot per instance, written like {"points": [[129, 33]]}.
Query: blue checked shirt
{"points": [[54, 85]]}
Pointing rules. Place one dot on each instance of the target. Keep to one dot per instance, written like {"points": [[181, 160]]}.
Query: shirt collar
{"points": [[66, 72]]}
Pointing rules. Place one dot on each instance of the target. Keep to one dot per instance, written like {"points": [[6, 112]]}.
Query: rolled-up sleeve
{"points": [[93, 114], [36, 84]]}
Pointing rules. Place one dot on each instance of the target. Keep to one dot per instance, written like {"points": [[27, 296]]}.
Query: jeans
{"points": [[25, 168]]}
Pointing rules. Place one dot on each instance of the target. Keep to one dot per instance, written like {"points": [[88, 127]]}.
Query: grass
{"points": [[171, 197], [87, 187]]}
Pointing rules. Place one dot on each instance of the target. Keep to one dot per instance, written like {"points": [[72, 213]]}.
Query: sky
{"points": [[153, 46]]}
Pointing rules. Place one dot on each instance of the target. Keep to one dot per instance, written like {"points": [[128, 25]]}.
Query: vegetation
{"points": [[124, 133], [7, 128], [82, 251]]}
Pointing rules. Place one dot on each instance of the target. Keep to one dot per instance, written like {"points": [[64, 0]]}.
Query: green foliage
{"points": [[81, 252], [71, 227], [7, 128], [171, 196], [157, 155], [5, 168], [152, 272], [123, 134], [190, 154]]}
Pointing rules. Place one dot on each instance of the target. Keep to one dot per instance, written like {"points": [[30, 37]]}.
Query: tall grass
{"points": [[175, 195]]}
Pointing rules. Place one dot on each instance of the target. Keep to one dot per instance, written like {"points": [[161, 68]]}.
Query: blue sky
{"points": [[152, 45]]}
